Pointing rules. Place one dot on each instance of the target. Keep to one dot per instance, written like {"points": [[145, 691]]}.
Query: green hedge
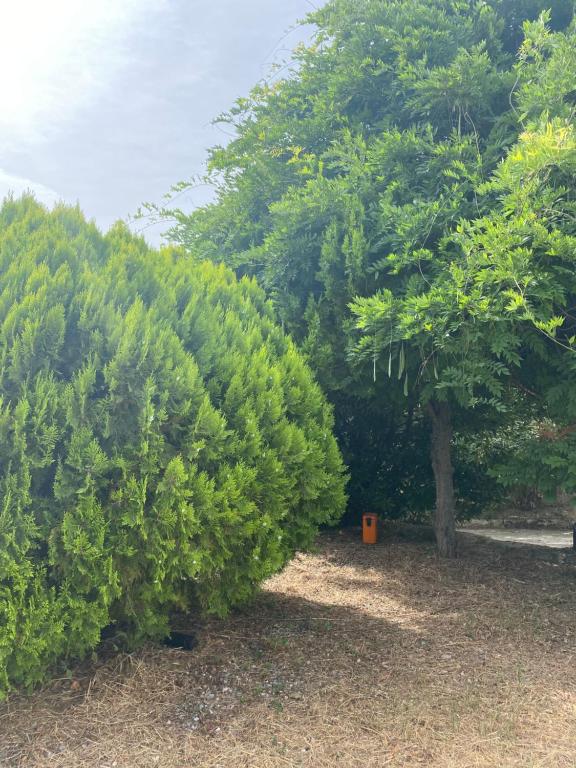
{"points": [[163, 445]]}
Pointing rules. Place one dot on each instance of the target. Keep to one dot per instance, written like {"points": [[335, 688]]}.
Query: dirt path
{"points": [[357, 657], [542, 537]]}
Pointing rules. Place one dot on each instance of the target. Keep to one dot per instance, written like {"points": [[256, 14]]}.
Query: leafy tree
{"points": [[164, 446], [489, 313], [345, 179]]}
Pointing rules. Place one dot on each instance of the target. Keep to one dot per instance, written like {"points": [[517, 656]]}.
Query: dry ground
{"points": [[354, 656]]}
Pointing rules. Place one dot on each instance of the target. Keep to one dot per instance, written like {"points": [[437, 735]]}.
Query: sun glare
{"points": [[57, 56]]}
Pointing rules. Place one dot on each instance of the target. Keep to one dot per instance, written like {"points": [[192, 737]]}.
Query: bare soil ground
{"points": [[354, 656]]}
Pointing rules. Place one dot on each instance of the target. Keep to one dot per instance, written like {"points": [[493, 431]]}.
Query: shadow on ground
{"points": [[353, 656]]}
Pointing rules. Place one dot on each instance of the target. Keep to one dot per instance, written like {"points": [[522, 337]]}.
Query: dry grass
{"points": [[354, 656]]}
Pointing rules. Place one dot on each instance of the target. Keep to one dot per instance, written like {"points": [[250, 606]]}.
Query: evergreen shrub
{"points": [[163, 445]]}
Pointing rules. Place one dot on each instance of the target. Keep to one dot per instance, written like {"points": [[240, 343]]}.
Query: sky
{"points": [[110, 102]]}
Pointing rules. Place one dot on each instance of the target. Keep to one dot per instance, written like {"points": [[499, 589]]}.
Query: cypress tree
{"points": [[164, 445]]}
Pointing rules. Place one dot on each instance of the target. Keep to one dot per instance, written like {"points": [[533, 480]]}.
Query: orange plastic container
{"points": [[369, 528]]}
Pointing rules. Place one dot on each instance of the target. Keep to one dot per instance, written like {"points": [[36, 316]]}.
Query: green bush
{"points": [[163, 444]]}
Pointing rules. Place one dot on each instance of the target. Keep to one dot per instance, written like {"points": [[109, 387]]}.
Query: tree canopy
{"points": [[165, 447], [365, 191]]}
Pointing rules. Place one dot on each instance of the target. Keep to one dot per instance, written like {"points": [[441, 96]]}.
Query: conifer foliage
{"points": [[163, 444]]}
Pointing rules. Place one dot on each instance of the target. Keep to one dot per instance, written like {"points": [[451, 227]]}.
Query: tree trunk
{"points": [[444, 519]]}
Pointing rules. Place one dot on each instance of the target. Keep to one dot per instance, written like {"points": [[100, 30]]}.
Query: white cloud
{"points": [[18, 185], [57, 57]]}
